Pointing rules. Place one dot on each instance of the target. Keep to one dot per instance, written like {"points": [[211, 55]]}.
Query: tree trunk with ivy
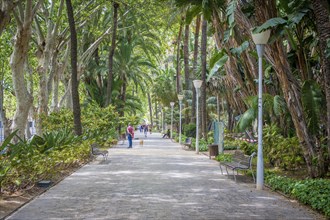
{"points": [[275, 53], [321, 11]]}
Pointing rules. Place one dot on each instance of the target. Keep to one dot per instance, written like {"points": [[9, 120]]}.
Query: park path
{"points": [[158, 180]]}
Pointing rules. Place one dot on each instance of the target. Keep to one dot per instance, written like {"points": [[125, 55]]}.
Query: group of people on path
{"points": [[130, 133], [142, 128], [145, 129]]}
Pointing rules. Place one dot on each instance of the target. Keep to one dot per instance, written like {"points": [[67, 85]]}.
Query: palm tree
{"points": [[112, 52], [203, 88], [195, 64]]}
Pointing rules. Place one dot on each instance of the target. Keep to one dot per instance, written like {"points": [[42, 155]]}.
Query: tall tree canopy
{"points": [[136, 54]]}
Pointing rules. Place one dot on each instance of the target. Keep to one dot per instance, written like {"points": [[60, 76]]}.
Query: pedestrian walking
{"points": [[145, 130]]}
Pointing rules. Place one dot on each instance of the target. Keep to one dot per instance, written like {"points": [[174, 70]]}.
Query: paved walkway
{"points": [[158, 180]]}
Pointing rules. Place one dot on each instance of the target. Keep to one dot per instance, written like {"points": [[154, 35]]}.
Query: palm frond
{"points": [[246, 119], [312, 100]]}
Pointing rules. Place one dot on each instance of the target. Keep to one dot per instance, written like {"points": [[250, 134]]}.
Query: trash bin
{"points": [[213, 150]]}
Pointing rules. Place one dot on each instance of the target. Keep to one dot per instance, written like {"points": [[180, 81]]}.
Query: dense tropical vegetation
{"points": [[93, 66]]}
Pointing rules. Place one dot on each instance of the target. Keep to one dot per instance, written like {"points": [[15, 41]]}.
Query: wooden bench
{"points": [[96, 151], [188, 142], [239, 162]]}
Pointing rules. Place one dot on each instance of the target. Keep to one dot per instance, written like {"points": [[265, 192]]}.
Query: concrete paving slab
{"points": [[158, 180]]}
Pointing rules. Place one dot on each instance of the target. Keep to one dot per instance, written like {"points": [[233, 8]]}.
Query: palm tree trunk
{"points": [[112, 53], [178, 66], [123, 99], [186, 58], [188, 85], [74, 80], [150, 108], [203, 88], [195, 62]]}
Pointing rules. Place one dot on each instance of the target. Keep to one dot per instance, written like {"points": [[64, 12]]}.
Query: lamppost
{"points": [[162, 117], [260, 40], [165, 124], [180, 97], [197, 85], [172, 105]]}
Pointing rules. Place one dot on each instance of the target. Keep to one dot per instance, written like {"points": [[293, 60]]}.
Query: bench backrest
{"points": [[188, 140], [94, 148], [243, 159]]}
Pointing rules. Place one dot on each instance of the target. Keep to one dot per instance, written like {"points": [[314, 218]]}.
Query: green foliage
{"points": [[224, 157], [313, 192], [271, 23], [97, 122], [58, 120], [26, 164], [4, 152], [231, 144], [217, 61], [203, 145], [282, 152], [189, 130], [247, 119], [58, 148], [230, 13], [272, 106], [313, 101], [280, 183], [238, 50], [55, 139], [248, 148]]}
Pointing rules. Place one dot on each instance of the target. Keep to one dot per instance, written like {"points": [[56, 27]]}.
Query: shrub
{"points": [[282, 152], [313, 192], [203, 145], [26, 164], [97, 123], [224, 157], [189, 130], [248, 148]]}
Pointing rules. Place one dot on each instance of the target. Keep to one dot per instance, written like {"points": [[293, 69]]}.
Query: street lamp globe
{"points": [[197, 83], [261, 38]]}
